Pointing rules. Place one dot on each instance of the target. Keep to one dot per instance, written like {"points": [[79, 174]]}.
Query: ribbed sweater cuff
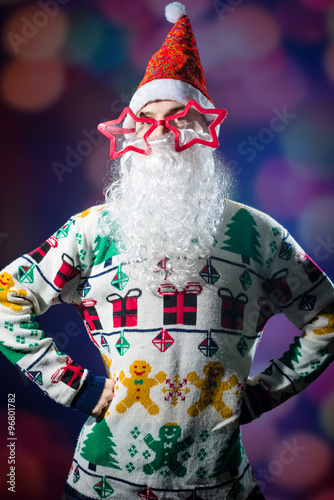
{"points": [[89, 394]]}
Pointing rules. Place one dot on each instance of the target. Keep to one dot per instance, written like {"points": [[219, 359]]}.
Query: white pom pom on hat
{"points": [[174, 11]]}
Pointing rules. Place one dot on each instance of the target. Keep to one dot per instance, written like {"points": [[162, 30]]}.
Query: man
{"points": [[175, 284]]}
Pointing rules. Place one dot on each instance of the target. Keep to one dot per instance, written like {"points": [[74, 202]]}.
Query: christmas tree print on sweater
{"points": [[105, 248], [243, 237], [98, 447], [230, 457]]}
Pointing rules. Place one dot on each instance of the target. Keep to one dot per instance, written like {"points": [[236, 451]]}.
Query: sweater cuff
{"points": [[256, 401], [89, 394]]}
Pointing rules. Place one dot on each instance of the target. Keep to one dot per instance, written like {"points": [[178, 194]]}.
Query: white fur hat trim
{"points": [[167, 89]]}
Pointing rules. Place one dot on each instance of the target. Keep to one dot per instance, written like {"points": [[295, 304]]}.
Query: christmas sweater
{"points": [[180, 359]]}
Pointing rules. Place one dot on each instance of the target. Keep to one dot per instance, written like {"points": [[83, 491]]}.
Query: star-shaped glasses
{"points": [[194, 125]]}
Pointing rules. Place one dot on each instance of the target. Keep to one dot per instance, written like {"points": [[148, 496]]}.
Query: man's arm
{"points": [[309, 355], [28, 287]]}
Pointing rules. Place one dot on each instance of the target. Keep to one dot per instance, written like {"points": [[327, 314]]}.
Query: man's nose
{"points": [[160, 130]]}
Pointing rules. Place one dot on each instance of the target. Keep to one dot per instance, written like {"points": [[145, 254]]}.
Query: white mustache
{"points": [[165, 140]]}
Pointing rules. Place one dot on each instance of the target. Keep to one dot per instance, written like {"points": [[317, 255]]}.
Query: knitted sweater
{"points": [[180, 359]]}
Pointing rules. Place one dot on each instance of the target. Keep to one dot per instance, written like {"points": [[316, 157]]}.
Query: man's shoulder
{"points": [[237, 205], [91, 214], [254, 215], [89, 221]]}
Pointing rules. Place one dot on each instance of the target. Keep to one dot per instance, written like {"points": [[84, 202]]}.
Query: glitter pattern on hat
{"points": [[178, 59]]}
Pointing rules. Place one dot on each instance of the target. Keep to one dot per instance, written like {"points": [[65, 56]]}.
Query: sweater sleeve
{"points": [[297, 288], [28, 287]]}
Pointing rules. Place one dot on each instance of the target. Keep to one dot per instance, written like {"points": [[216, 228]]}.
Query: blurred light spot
{"points": [[310, 27], [300, 461], [329, 62], [269, 67], [258, 450], [287, 88], [321, 388], [41, 443], [248, 31], [327, 415], [144, 43], [34, 32], [282, 192], [135, 16], [330, 22], [112, 51], [32, 86], [318, 4], [29, 477], [324, 495], [234, 96], [251, 90], [309, 142], [97, 164], [85, 36], [316, 228]]}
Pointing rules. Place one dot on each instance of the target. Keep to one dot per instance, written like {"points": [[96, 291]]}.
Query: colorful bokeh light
{"points": [[32, 86], [326, 415], [308, 142], [84, 38], [281, 191], [249, 32], [257, 450], [35, 33], [316, 228], [329, 62], [299, 461], [322, 5], [300, 23]]}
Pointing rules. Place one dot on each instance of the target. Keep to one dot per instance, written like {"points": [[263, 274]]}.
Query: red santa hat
{"points": [[175, 71]]}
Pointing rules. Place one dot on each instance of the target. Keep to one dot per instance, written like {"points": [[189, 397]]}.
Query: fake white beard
{"points": [[166, 205]]}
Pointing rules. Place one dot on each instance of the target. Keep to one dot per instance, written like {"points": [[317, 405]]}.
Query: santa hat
{"points": [[175, 71]]}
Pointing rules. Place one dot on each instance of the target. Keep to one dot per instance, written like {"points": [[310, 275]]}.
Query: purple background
{"points": [[65, 69]]}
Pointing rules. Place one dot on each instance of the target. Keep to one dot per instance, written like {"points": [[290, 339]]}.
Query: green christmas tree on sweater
{"points": [[98, 447], [230, 457], [104, 249], [243, 237]]}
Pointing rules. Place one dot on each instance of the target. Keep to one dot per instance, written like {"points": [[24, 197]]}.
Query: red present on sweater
{"points": [[180, 307], [232, 312], [311, 269], [125, 309], [89, 314], [278, 288], [66, 272], [39, 253]]}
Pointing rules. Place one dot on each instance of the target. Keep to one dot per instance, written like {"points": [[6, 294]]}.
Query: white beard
{"points": [[166, 205]]}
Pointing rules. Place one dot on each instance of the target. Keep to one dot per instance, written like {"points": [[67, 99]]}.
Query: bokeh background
{"points": [[68, 65]]}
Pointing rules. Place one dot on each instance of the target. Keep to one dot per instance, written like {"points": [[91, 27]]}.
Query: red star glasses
{"points": [[194, 125]]}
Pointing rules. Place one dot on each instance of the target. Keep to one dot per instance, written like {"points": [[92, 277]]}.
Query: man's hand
{"points": [[101, 407]]}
